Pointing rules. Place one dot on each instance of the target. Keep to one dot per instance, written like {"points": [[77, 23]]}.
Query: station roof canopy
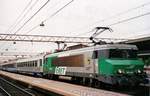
{"points": [[144, 39], [142, 44]]}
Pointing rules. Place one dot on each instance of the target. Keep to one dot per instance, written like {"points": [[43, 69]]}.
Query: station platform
{"points": [[60, 87]]}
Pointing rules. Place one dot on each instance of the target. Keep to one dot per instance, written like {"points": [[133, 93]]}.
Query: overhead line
{"points": [[32, 16], [124, 12], [122, 21], [50, 16], [14, 24], [58, 10], [24, 15], [132, 18], [119, 14]]}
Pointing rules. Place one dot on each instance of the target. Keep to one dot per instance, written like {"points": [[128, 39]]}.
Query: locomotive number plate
{"points": [[60, 70]]}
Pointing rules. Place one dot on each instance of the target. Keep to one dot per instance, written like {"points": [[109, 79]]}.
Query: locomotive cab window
{"points": [[123, 53], [95, 54], [100, 53]]}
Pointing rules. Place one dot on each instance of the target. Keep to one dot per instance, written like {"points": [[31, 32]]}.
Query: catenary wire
{"points": [[129, 19], [49, 17], [117, 15], [24, 15], [58, 11], [32, 16], [12, 26], [122, 21], [20, 15]]}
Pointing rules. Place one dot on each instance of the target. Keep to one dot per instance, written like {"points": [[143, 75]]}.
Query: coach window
{"points": [[32, 63], [40, 62], [26, 64], [29, 63], [35, 63], [21, 64]]}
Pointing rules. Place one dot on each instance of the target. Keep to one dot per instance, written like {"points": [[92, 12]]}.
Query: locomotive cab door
{"points": [[48, 67], [95, 61]]}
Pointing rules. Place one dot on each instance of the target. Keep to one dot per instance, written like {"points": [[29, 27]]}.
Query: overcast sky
{"points": [[77, 19]]}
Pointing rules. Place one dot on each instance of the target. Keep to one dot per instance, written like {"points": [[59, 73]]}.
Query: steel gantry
{"points": [[44, 38]]}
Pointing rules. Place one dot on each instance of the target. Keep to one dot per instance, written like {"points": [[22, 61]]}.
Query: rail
{"points": [[12, 90]]}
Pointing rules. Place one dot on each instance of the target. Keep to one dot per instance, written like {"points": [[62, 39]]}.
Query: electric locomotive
{"points": [[115, 64]]}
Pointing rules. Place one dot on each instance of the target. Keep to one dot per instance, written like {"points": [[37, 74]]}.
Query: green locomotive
{"points": [[115, 64]]}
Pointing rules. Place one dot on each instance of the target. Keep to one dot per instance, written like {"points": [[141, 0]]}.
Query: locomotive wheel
{"points": [[96, 83]]}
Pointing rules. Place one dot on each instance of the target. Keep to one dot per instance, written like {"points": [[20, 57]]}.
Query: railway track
{"points": [[3, 92], [9, 89]]}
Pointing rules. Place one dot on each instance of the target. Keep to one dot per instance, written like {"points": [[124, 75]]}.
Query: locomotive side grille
{"points": [[69, 61]]}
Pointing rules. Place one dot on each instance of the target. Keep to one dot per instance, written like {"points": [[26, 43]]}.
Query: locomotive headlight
{"points": [[120, 71], [139, 71]]}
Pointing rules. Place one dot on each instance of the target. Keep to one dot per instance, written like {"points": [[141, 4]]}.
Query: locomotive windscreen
{"points": [[69, 61], [123, 53]]}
